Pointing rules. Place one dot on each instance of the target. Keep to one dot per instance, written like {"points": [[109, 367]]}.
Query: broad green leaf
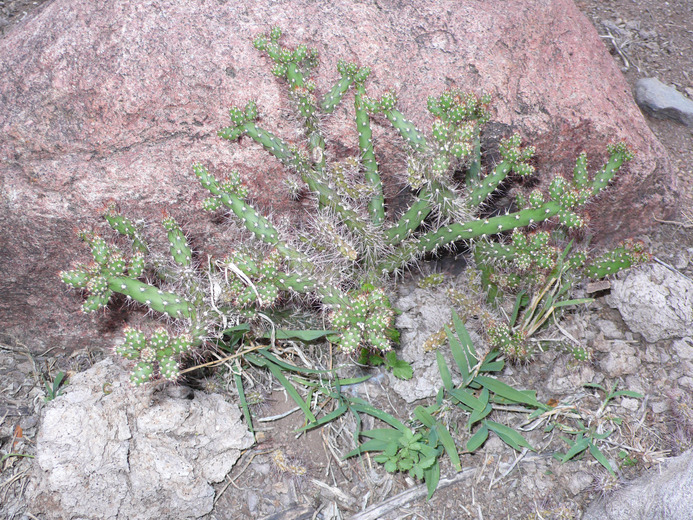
{"points": [[402, 370], [326, 418], [520, 302], [432, 477], [577, 447], [509, 436], [458, 354], [597, 454], [478, 415], [444, 371], [405, 464], [378, 414], [508, 392], [479, 438], [467, 399], [422, 415], [301, 335], [494, 366], [371, 445], [578, 301], [243, 402], [449, 444], [287, 366], [627, 393]]}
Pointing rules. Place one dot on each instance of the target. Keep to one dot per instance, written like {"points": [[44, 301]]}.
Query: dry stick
{"points": [[415, 493], [225, 359]]}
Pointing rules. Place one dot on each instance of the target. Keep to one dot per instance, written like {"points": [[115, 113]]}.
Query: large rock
{"points": [[117, 100], [108, 451], [664, 494], [655, 302]]}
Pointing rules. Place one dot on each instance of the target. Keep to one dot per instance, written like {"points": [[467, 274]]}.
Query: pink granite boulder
{"points": [[116, 100]]}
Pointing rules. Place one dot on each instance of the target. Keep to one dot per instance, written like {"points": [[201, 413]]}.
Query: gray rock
{"points": [[655, 302], [424, 313], [621, 360], [107, 450], [663, 101], [683, 348], [659, 495]]}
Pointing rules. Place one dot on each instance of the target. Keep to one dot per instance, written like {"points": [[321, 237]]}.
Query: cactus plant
{"points": [[347, 258]]}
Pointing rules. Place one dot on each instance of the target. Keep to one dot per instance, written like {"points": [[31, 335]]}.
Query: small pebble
{"points": [[630, 403]]}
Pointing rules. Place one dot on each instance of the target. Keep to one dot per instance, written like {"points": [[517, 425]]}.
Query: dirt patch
{"points": [[292, 476]]}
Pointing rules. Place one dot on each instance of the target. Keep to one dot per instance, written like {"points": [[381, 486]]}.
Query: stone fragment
{"points": [[424, 313], [621, 360], [663, 101], [609, 329], [107, 450], [655, 302], [683, 348], [663, 494]]}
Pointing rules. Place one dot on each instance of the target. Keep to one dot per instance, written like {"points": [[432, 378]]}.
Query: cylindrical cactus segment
{"points": [[433, 240], [489, 183], [142, 373], [490, 226], [514, 155], [100, 250], [126, 227], [335, 95], [622, 257], [618, 154], [367, 319], [580, 175], [96, 301], [136, 266], [411, 135], [252, 220], [76, 278], [133, 344], [410, 221], [180, 250], [376, 206], [151, 296]]}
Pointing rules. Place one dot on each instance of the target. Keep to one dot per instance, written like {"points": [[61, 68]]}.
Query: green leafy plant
{"points": [[54, 388], [346, 259], [587, 436], [417, 450], [536, 275], [400, 368]]}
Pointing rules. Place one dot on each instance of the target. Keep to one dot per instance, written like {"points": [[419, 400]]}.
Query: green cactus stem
{"points": [[376, 206], [628, 254], [180, 250], [151, 296], [157, 355], [347, 71], [126, 227]]}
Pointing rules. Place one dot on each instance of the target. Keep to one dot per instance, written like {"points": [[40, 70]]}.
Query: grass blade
{"points": [[597, 454], [458, 354], [243, 402], [449, 445], [444, 371], [509, 436], [478, 439], [508, 392], [279, 376]]}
